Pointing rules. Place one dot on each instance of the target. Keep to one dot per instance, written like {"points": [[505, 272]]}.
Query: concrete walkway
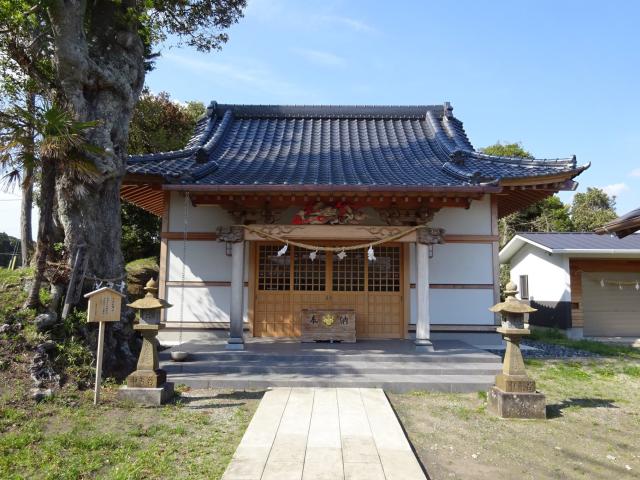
{"points": [[324, 433]]}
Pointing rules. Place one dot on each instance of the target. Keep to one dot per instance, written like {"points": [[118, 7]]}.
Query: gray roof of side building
{"points": [[574, 243], [413, 146]]}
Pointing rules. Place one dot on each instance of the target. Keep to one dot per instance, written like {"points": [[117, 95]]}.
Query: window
{"points": [[348, 273], [274, 272], [309, 275], [524, 287], [384, 272]]}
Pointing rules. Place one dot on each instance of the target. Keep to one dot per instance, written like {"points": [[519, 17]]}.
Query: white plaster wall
{"points": [[468, 263], [458, 221], [549, 279], [457, 306], [206, 261], [201, 304], [199, 219]]}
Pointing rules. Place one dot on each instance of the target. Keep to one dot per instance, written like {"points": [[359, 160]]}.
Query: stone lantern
{"points": [[148, 384], [514, 394]]}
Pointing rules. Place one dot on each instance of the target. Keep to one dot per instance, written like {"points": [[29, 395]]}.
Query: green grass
{"points": [[631, 370], [556, 337], [12, 295], [14, 277], [69, 438], [137, 266]]}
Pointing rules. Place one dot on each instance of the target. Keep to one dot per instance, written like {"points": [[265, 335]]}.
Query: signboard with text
{"points": [[104, 305]]}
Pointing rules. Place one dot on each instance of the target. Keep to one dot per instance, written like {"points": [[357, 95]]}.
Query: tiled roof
{"points": [[623, 226], [414, 146], [583, 241]]}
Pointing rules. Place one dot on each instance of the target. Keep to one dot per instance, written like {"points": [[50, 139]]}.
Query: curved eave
{"points": [[426, 189], [622, 226], [144, 193], [551, 178], [520, 192]]}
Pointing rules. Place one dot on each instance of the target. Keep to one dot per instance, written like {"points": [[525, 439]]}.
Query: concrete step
{"points": [[304, 367], [397, 384], [342, 357]]}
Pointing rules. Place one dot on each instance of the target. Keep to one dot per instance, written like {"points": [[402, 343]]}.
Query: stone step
{"points": [[391, 383], [342, 357], [304, 367]]}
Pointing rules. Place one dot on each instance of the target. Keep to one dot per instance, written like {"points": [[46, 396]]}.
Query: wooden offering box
{"points": [[328, 324]]}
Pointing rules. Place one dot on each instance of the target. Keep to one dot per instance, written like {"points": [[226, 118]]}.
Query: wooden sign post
{"points": [[104, 306]]}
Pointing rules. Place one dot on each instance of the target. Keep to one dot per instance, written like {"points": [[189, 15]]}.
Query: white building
{"points": [[404, 181], [585, 283]]}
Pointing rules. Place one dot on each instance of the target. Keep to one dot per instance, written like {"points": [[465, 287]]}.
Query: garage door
{"points": [[611, 311]]}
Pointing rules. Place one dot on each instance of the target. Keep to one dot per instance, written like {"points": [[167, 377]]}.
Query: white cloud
{"points": [[635, 172], [250, 75], [351, 23], [616, 189], [320, 57], [299, 14]]}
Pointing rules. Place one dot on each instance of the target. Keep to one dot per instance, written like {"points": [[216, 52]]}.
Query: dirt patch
{"points": [[591, 432]]}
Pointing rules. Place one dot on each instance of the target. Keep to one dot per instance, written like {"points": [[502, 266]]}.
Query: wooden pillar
{"points": [[423, 323], [235, 236], [426, 238]]}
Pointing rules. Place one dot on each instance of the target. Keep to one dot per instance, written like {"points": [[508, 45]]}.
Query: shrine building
{"points": [[387, 211]]}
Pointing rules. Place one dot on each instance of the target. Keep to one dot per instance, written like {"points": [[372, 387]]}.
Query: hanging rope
{"points": [[620, 283], [389, 238]]}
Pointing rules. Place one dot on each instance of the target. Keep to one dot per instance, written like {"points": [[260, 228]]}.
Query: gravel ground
{"points": [[549, 350]]}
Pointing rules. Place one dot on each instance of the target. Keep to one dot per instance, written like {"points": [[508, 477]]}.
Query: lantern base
{"points": [[147, 396], [147, 379], [516, 404], [515, 383]]}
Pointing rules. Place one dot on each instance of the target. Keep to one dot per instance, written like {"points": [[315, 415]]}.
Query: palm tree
{"points": [[59, 142]]}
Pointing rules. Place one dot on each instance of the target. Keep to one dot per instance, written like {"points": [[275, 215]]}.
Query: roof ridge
{"points": [[525, 160], [328, 110]]}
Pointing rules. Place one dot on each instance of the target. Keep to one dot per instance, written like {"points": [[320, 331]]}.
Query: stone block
{"points": [[147, 396], [516, 404], [515, 383], [147, 379]]}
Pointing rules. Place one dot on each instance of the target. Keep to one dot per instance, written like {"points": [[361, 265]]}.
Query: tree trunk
{"points": [[99, 80], [26, 206], [47, 193]]}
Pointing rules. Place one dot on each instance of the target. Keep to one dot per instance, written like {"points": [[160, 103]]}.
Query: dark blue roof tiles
{"points": [[334, 145]]}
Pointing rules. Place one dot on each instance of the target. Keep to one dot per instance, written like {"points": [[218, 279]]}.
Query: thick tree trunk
{"points": [[100, 80], [47, 193]]}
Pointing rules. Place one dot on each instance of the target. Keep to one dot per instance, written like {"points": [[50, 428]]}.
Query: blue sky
{"points": [[561, 77]]}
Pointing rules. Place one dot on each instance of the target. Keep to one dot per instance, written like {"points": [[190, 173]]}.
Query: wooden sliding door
{"points": [[287, 284]]}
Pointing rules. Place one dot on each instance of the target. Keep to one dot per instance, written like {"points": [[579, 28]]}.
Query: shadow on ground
{"points": [[218, 400], [555, 410]]}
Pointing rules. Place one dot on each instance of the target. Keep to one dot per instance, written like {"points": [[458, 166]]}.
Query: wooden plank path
{"points": [[324, 433]]}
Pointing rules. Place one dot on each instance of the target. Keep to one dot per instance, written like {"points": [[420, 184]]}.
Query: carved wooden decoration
{"points": [[250, 216], [397, 216]]}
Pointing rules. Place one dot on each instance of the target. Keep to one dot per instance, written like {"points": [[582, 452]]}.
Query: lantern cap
{"points": [[150, 300], [511, 303]]}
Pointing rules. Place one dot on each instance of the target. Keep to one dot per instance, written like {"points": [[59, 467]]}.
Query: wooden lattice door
{"points": [[287, 284]]}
